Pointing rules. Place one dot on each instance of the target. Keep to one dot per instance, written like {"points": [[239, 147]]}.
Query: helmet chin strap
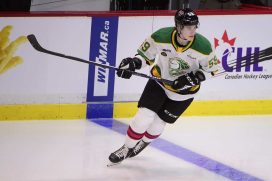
{"points": [[181, 38], [179, 34]]}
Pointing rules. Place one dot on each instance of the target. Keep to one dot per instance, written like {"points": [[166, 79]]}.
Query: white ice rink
{"points": [[194, 148]]}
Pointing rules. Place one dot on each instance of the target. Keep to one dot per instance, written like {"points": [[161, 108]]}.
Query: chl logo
{"points": [[238, 57]]}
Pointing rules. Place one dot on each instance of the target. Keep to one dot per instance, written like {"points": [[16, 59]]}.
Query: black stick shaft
{"points": [[264, 55], [34, 42]]}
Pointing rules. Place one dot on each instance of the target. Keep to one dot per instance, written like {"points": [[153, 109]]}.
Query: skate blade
{"points": [[112, 164]]}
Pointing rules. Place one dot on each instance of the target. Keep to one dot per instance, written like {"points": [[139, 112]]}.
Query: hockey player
{"points": [[175, 53]]}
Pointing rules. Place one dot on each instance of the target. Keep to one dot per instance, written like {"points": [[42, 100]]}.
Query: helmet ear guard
{"points": [[186, 17]]}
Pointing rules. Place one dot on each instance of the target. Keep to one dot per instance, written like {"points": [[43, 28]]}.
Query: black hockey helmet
{"points": [[186, 17]]}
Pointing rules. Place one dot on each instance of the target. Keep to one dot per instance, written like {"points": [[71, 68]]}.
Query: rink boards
{"points": [[48, 87]]}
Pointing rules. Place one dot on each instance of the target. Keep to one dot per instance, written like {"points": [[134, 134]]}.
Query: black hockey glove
{"points": [[130, 64], [189, 79]]}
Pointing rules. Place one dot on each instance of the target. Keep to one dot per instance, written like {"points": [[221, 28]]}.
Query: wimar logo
{"points": [[102, 51], [236, 58]]}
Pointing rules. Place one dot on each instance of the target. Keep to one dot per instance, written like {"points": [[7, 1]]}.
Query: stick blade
{"points": [[34, 42]]}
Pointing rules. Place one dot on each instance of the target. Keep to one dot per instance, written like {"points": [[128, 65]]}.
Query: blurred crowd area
{"points": [[177, 4], [117, 5]]}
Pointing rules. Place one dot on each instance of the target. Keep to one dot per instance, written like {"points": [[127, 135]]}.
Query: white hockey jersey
{"points": [[169, 61]]}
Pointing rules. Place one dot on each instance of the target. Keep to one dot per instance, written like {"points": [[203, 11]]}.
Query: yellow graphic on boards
{"points": [[8, 49]]}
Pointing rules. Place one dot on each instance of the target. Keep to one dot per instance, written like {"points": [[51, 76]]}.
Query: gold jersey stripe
{"points": [[178, 48]]}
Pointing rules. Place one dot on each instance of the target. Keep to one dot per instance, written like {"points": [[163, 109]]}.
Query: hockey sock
{"points": [[155, 130], [138, 126]]}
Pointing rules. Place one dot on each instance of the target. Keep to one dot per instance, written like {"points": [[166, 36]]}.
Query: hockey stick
{"points": [[264, 55], [34, 42]]}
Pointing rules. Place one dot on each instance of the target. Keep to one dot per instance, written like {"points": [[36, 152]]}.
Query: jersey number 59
{"points": [[145, 46], [213, 61]]}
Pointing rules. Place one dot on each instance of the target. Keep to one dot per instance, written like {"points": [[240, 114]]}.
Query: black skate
{"points": [[138, 148], [119, 155]]}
